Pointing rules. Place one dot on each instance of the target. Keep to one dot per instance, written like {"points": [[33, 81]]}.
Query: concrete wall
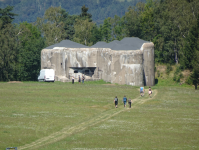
{"points": [[132, 67], [127, 68], [148, 64]]}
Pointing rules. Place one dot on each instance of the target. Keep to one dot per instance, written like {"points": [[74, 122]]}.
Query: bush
{"points": [[178, 70], [177, 75], [169, 69], [181, 75], [158, 73], [178, 79], [181, 67], [189, 80], [174, 78]]}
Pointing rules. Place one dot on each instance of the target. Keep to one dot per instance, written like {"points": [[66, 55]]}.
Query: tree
{"points": [[20, 49], [84, 14], [83, 31], [165, 22], [96, 34], [100, 9], [194, 44], [56, 25], [29, 56], [8, 44], [191, 53], [147, 21], [106, 30], [119, 30], [195, 78], [8, 51], [132, 20], [195, 75], [191, 46], [6, 16], [68, 22]]}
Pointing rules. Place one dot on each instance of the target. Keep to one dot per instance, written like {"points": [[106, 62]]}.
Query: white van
{"points": [[47, 75]]}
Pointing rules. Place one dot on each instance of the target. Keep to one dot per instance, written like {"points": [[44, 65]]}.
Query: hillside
{"points": [[100, 9]]}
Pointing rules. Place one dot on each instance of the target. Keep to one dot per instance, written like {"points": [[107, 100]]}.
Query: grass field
{"points": [[60, 116]]}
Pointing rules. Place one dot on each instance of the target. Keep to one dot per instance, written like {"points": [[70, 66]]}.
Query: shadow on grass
{"points": [[156, 81]]}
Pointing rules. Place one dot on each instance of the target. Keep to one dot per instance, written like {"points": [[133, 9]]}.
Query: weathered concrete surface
{"points": [[132, 67], [149, 64], [127, 67]]}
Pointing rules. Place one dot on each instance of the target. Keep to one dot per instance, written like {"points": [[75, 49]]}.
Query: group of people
{"points": [[79, 79], [142, 91], [125, 100]]}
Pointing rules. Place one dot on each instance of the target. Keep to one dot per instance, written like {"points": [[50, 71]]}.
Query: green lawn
{"points": [[60, 116]]}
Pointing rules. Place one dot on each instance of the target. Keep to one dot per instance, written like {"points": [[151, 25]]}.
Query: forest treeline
{"points": [[171, 25], [29, 10]]}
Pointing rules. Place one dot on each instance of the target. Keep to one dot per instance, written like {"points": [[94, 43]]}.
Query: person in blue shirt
{"points": [[124, 101], [141, 91]]}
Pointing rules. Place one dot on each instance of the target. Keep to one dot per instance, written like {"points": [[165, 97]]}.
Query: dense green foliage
{"points": [[166, 23], [56, 25], [28, 57], [20, 48], [8, 51], [29, 10], [191, 53], [83, 27], [6, 16]]}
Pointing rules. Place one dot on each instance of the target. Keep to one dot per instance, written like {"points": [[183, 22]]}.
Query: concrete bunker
{"points": [[129, 61]]}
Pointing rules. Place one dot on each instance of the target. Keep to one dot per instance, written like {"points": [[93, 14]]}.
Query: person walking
{"points": [[124, 100], [116, 101], [83, 79], [141, 91], [73, 79], [129, 101], [150, 92]]}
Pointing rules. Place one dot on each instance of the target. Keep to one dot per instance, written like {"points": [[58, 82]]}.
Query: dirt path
{"points": [[65, 132]]}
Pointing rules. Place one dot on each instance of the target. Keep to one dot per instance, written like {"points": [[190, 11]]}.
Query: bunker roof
{"points": [[128, 43]]}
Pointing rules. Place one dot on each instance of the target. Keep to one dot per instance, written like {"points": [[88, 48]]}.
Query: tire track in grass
{"points": [[144, 100], [65, 132]]}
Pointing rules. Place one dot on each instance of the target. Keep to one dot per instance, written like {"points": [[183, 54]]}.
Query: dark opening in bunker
{"points": [[87, 71]]}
